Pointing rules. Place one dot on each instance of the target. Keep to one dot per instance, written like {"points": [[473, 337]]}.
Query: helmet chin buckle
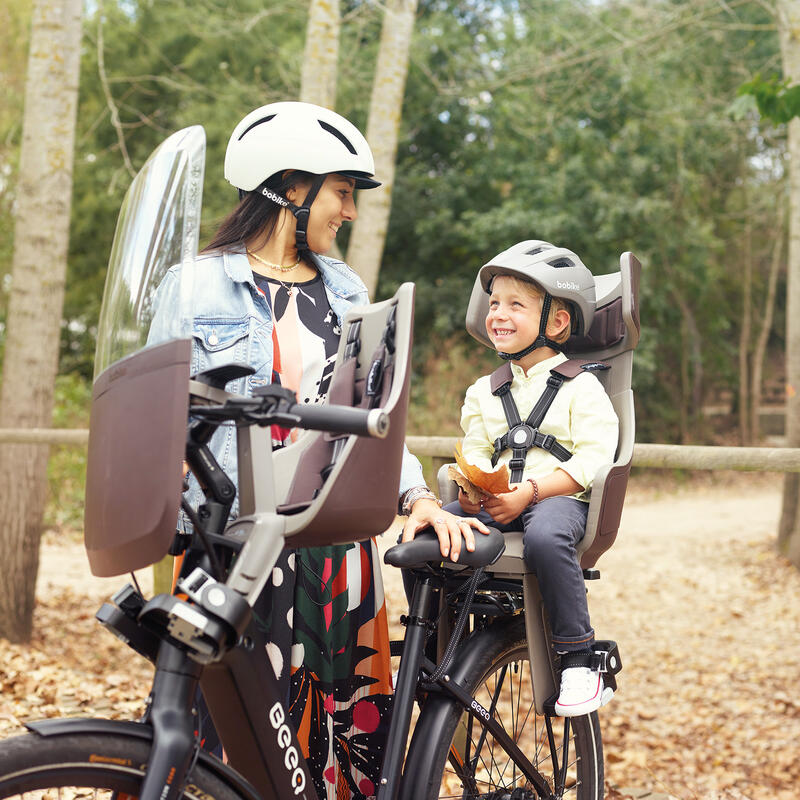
{"points": [[541, 340]]}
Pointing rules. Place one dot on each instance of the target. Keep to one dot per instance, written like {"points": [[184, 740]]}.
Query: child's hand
{"points": [[506, 507], [467, 505]]}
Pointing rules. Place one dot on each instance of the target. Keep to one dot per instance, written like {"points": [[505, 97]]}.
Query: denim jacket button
{"points": [[213, 339]]}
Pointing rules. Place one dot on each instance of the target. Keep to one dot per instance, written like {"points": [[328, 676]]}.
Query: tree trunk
{"points": [[789, 528], [760, 350], [745, 400], [41, 236], [321, 55], [691, 369], [369, 232]]}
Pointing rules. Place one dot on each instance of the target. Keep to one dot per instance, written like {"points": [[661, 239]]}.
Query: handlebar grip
{"points": [[343, 419]]}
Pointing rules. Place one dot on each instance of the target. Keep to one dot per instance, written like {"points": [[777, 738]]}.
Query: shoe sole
{"points": [[587, 707]]}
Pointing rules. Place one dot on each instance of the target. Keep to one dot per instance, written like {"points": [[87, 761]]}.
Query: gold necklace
{"points": [[269, 264]]}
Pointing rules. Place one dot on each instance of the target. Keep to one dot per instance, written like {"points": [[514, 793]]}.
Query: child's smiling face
{"points": [[514, 312]]}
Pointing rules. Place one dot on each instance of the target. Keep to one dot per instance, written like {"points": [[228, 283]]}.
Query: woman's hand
{"points": [[448, 527], [506, 507]]}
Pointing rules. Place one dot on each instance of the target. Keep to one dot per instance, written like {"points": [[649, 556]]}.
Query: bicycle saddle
{"points": [[424, 547]]}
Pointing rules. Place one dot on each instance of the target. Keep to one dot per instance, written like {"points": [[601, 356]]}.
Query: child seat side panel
{"points": [[540, 651], [137, 439], [359, 498], [609, 488]]}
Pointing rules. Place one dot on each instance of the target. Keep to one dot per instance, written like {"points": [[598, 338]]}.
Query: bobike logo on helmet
{"points": [[571, 285], [291, 758], [276, 198]]}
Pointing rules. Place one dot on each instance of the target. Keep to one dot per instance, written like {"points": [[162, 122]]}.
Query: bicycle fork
{"points": [[170, 714]]}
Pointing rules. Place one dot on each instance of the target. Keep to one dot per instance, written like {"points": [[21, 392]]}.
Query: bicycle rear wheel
{"points": [[80, 765], [454, 756]]}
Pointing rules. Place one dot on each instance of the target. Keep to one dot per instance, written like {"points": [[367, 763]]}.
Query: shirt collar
{"points": [[537, 369]]}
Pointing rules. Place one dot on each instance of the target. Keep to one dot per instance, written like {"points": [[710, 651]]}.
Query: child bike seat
{"points": [[611, 339]]}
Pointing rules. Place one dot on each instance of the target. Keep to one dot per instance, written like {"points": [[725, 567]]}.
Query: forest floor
{"points": [[706, 614]]}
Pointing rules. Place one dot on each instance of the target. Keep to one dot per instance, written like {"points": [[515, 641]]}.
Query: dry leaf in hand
{"points": [[488, 482], [474, 494]]}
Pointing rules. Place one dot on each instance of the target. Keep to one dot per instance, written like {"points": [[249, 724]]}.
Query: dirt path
{"points": [[706, 615]]}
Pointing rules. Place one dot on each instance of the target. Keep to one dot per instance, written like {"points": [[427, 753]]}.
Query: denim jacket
{"points": [[233, 322]]}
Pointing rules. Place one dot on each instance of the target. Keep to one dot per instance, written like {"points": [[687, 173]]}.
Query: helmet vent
{"points": [[257, 122], [561, 263], [339, 135], [535, 251]]}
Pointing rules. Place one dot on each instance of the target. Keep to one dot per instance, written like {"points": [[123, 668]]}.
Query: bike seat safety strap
{"points": [[522, 436]]}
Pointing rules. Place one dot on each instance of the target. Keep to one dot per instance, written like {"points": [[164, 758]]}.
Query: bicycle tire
{"points": [[107, 765], [437, 768]]}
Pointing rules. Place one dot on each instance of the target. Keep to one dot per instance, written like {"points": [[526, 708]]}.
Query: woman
{"points": [[265, 295]]}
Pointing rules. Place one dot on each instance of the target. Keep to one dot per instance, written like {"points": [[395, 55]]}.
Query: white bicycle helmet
{"points": [[300, 136], [296, 136], [559, 271]]}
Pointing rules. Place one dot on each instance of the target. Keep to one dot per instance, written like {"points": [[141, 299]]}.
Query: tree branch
{"points": [[112, 107]]}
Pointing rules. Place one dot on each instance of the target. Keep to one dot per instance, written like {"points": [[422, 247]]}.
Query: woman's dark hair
{"points": [[255, 214]]}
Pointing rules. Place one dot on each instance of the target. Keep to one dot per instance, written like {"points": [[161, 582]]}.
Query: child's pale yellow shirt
{"points": [[581, 418]]}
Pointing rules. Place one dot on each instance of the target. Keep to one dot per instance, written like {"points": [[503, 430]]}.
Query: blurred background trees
{"points": [[605, 125]]}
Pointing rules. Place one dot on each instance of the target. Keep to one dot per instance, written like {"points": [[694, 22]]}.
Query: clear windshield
{"points": [[158, 227]]}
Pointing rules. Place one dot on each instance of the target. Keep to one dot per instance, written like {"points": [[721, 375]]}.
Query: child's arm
{"points": [[476, 447], [594, 431]]}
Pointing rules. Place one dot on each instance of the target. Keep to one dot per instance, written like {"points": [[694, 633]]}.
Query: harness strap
{"points": [[520, 436]]}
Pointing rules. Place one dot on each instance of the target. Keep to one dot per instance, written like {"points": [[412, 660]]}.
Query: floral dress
{"points": [[323, 609]]}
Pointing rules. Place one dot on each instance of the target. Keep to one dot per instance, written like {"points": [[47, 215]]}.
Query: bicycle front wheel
{"points": [[454, 756], [81, 765]]}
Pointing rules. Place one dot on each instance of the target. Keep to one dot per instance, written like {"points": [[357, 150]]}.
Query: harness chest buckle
{"points": [[522, 435]]}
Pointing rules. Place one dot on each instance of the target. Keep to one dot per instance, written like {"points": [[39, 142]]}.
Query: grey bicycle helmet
{"points": [[296, 136], [559, 272]]}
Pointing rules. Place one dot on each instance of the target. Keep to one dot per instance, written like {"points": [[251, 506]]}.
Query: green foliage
{"points": [[66, 470], [547, 123], [774, 99], [601, 126]]}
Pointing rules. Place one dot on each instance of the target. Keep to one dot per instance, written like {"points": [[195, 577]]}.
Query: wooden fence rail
{"points": [[440, 449]]}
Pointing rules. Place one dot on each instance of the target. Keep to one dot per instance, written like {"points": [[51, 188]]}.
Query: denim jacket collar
{"points": [[338, 278]]}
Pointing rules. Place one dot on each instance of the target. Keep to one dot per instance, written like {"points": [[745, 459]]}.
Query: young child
{"points": [[539, 295]]}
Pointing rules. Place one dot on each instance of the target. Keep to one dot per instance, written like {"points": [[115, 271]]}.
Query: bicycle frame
{"points": [[405, 691], [257, 736]]}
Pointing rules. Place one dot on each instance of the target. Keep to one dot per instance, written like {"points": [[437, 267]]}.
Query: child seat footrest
{"points": [[604, 658]]}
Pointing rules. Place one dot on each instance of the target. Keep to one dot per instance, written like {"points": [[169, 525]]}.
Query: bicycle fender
{"points": [[139, 730]]}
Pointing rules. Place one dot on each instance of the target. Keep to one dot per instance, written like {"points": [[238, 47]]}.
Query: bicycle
{"points": [[209, 638], [467, 740]]}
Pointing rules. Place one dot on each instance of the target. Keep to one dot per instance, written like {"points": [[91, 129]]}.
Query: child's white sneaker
{"points": [[581, 692]]}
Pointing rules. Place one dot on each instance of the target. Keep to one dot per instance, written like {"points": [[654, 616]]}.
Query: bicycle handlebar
{"points": [[345, 419], [276, 405]]}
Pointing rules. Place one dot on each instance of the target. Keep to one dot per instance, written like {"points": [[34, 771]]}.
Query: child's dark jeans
{"points": [[551, 531]]}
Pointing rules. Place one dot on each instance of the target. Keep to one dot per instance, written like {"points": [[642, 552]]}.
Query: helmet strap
{"points": [[541, 340], [301, 213]]}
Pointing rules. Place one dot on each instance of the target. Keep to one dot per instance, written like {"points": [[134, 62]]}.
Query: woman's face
{"points": [[332, 206]]}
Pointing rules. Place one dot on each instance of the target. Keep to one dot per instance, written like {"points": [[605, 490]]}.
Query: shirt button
{"points": [[213, 339]]}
